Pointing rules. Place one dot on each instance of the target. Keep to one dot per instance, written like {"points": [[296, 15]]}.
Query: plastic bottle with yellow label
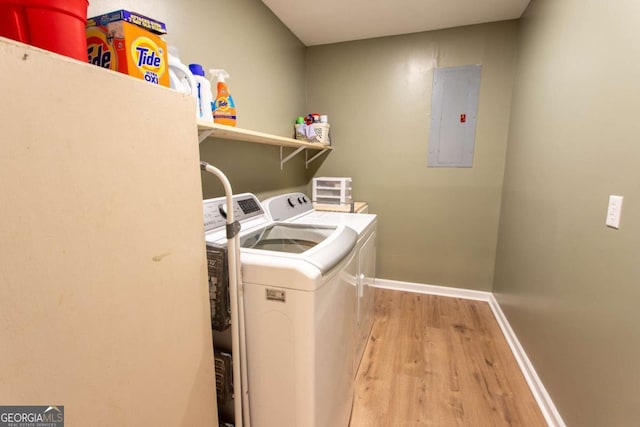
{"points": [[223, 107]]}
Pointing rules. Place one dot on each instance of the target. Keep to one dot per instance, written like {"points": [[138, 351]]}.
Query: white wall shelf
{"points": [[206, 130]]}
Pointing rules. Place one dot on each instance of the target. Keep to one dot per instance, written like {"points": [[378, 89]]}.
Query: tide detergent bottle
{"points": [[203, 91], [223, 107]]}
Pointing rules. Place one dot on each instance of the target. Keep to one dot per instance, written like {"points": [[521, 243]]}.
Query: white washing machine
{"points": [[297, 208], [297, 284]]}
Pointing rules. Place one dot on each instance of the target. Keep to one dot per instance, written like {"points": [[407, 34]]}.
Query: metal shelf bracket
{"points": [[309, 160], [289, 157], [204, 134]]}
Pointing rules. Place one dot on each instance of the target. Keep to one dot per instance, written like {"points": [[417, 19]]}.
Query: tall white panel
{"points": [[103, 284], [454, 109]]}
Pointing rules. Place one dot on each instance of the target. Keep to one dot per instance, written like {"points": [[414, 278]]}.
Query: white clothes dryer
{"points": [[297, 282], [297, 208]]}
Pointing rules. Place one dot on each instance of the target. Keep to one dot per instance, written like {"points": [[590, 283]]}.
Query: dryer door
{"points": [[365, 301]]}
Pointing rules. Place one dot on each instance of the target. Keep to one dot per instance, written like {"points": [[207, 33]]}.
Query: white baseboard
{"points": [[548, 409], [443, 291]]}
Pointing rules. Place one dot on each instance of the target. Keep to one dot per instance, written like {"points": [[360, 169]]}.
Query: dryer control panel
{"points": [[286, 206], [245, 206]]}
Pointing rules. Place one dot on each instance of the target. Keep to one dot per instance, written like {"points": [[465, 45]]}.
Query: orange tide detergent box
{"points": [[129, 43]]}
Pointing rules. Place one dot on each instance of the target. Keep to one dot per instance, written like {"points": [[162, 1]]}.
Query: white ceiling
{"points": [[331, 21]]}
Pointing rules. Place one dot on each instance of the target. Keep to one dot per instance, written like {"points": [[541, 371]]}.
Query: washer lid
{"points": [[361, 223], [323, 246], [288, 238]]}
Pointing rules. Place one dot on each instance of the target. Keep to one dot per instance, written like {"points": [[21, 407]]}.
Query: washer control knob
{"points": [[300, 200], [222, 211], [304, 199], [290, 202]]}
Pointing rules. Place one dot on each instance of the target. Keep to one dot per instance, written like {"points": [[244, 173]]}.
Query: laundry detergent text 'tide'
{"points": [[129, 43]]}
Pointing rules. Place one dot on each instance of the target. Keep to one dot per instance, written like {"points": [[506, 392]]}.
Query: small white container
{"points": [[332, 190], [204, 92], [180, 77]]}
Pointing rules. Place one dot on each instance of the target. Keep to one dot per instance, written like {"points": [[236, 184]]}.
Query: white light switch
{"points": [[614, 211]]}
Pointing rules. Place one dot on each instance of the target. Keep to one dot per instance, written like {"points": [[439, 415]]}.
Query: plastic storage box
{"points": [[333, 191]]}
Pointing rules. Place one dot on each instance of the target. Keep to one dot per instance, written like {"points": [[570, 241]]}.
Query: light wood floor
{"points": [[439, 361]]}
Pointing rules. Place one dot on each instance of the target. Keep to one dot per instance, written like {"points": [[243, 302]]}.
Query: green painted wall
{"points": [[568, 284], [436, 226]]}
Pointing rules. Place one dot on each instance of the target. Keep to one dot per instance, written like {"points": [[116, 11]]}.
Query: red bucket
{"points": [[55, 25]]}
